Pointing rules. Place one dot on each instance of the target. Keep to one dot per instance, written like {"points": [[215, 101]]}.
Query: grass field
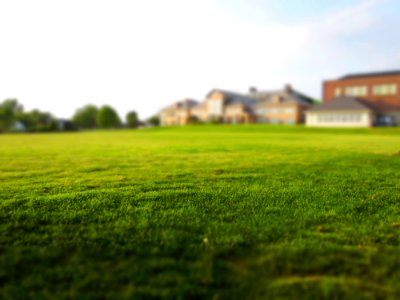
{"points": [[210, 212]]}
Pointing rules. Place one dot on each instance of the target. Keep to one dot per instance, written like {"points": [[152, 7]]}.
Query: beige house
{"points": [[282, 106], [225, 107], [178, 113], [342, 112]]}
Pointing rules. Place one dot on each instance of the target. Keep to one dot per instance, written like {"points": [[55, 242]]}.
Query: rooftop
{"points": [[371, 74], [184, 104], [342, 103]]}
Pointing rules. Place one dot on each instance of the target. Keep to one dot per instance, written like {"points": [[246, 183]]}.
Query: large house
{"points": [[372, 99], [286, 106]]}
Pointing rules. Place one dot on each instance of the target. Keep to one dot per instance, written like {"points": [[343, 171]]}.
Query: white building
{"points": [[342, 112]]}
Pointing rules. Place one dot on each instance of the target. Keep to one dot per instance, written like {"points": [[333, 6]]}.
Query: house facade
{"points": [[225, 107], [178, 113], [379, 90], [286, 106]]}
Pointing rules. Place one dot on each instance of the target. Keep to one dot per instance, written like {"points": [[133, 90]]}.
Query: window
{"points": [[385, 89], [289, 110], [328, 118], [338, 91], [216, 107], [261, 111], [361, 90]]}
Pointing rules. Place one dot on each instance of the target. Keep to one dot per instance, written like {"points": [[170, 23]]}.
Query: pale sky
{"points": [[146, 54]]}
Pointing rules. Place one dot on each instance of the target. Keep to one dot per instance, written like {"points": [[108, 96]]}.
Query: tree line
{"points": [[13, 117]]}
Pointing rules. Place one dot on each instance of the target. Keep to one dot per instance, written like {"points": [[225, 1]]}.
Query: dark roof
{"points": [[252, 99], [286, 96], [186, 103], [234, 98], [303, 97], [342, 103], [371, 74]]}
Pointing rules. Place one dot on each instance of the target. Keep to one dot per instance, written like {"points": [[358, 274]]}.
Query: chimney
{"points": [[288, 88], [252, 90]]}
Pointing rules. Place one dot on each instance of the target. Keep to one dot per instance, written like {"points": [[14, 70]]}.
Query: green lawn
{"points": [[210, 212]]}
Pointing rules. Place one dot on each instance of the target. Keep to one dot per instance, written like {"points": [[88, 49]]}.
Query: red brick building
{"points": [[380, 90]]}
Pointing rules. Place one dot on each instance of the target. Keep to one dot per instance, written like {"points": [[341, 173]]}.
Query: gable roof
{"points": [[235, 98], [251, 100], [342, 103], [370, 74], [185, 104], [286, 96]]}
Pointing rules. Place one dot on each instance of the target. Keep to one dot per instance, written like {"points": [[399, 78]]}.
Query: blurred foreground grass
{"points": [[201, 212]]}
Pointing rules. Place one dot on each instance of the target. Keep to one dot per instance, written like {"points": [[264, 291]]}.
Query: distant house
{"points": [[379, 90], [281, 106], [225, 107], [342, 112], [178, 113], [285, 106]]}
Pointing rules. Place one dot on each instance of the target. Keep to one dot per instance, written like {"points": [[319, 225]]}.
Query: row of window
{"points": [[362, 90], [287, 110], [385, 89], [355, 91], [275, 121], [339, 118], [175, 114]]}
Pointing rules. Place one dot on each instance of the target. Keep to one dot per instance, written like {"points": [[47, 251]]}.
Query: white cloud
{"points": [[338, 43]]}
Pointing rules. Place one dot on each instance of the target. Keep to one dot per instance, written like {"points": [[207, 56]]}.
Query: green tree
{"points": [[154, 120], [36, 120], [9, 109], [108, 117], [86, 117], [132, 119]]}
